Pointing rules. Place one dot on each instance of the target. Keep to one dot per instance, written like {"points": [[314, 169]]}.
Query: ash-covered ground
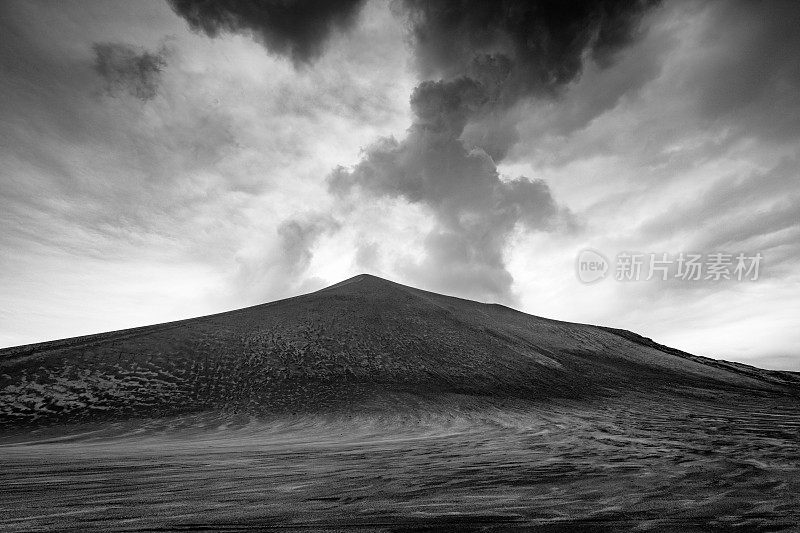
{"points": [[377, 406]]}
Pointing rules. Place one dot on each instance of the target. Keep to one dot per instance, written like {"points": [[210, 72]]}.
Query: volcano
{"points": [[373, 404], [364, 343]]}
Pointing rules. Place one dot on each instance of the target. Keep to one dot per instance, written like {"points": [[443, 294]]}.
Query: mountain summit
{"points": [[363, 343]]}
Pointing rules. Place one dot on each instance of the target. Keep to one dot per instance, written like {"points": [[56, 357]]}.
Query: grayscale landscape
{"points": [[375, 406], [400, 265]]}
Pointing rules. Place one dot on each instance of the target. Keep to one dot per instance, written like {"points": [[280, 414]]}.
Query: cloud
{"points": [[747, 71], [128, 69], [476, 209], [297, 29], [367, 255], [518, 48], [484, 58], [297, 236], [198, 177], [700, 155], [489, 56], [275, 269], [736, 212], [679, 132]]}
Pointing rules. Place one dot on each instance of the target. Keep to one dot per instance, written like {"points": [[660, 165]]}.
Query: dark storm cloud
{"points": [[489, 56], [126, 68], [297, 29], [517, 48]]}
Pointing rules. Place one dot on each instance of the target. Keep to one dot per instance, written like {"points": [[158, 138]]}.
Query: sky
{"points": [[165, 160]]}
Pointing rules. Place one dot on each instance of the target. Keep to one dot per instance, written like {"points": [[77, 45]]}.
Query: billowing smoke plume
{"points": [[475, 208], [518, 47], [482, 58], [297, 29], [487, 56]]}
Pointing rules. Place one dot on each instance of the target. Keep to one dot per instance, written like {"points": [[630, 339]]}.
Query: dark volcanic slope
{"points": [[365, 342]]}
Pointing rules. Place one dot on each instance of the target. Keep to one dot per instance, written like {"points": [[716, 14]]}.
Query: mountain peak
{"points": [[362, 279], [349, 344]]}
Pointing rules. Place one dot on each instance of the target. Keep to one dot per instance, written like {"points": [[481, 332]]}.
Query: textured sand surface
{"points": [[624, 464], [377, 406]]}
